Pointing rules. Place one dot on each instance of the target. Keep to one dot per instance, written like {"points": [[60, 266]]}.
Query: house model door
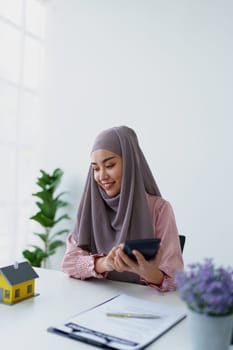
{"points": [[1, 291]]}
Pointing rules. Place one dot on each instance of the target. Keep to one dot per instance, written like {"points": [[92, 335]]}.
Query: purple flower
{"points": [[207, 289]]}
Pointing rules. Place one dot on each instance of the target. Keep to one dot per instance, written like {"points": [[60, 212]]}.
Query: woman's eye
{"points": [[109, 166]]}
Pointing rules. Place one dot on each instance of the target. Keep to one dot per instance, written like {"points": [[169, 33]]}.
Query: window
{"points": [[21, 62], [29, 288], [7, 294], [17, 293]]}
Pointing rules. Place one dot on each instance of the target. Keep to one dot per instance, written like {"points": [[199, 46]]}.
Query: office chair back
{"points": [[182, 242]]}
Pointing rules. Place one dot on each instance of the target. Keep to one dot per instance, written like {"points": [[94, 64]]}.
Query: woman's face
{"points": [[107, 169]]}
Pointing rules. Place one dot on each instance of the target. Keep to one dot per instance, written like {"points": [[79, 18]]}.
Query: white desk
{"points": [[24, 325]]}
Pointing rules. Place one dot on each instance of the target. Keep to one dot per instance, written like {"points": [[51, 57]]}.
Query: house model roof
{"points": [[22, 273]]}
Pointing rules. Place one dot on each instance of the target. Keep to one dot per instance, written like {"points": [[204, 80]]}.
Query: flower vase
{"points": [[210, 332]]}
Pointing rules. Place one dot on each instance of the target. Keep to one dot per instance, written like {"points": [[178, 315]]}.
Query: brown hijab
{"points": [[103, 221]]}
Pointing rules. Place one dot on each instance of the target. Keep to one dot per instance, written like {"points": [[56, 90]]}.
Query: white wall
{"points": [[165, 69]]}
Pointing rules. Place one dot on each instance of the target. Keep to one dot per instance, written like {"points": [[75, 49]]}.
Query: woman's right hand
{"points": [[107, 263]]}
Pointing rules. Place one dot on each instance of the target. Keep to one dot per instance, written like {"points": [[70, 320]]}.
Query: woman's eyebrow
{"points": [[104, 160]]}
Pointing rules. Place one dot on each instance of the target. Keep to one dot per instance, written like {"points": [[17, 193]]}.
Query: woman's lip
{"points": [[108, 185]]}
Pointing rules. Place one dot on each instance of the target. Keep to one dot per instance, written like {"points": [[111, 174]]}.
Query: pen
{"points": [[131, 315]]}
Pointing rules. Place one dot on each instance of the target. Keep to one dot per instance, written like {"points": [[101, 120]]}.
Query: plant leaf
{"points": [[44, 195], [43, 236], [43, 220], [65, 216], [60, 232], [56, 244], [57, 234], [34, 257], [61, 194], [48, 208]]}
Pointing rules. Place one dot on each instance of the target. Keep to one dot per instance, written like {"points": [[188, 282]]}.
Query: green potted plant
{"points": [[47, 217]]}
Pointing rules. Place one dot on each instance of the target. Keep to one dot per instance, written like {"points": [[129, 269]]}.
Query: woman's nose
{"points": [[103, 174]]}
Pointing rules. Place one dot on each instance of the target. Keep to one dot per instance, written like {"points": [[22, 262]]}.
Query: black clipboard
{"points": [[89, 336], [75, 328]]}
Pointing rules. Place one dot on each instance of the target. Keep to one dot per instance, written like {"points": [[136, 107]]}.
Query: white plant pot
{"points": [[210, 332]]}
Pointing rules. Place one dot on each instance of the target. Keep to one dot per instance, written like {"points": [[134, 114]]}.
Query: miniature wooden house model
{"points": [[17, 282]]}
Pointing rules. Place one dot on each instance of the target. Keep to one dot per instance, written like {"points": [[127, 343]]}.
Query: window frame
{"points": [[14, 208]]}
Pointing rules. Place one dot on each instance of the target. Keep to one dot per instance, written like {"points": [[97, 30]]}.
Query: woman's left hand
{"points": [[146, 269]]}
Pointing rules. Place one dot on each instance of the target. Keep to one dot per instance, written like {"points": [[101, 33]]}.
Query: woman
{"points": [[120, 202]]}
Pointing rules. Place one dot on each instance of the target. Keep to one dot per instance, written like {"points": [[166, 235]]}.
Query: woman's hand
{"points": [[119, 261], [146, 269], [107, 263]]}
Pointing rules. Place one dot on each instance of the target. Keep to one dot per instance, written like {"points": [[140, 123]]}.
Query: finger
{"points": [[113, 252], [119, 264], [139, 257], [127, 261]]}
